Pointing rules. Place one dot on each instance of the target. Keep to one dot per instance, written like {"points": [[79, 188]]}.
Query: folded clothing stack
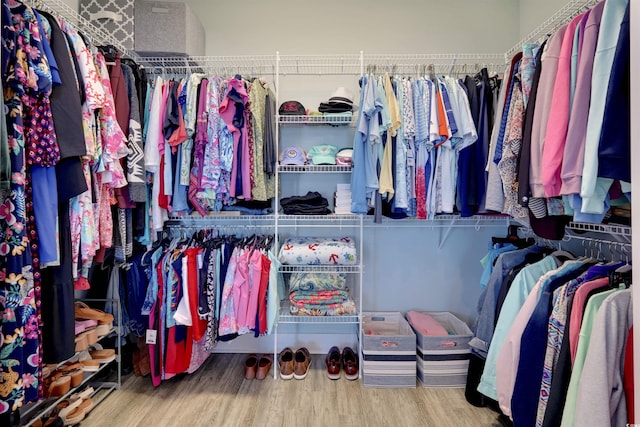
{"points": [[320, 294], [426, 324], [310, 204], [341, 101], [318, 251], [343, 199]]}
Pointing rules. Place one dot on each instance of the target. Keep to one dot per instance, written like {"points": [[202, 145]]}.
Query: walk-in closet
{"points": [[285, 213]]}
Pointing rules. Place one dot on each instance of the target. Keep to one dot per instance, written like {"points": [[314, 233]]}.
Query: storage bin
{"points": [[167, 29], [388, 351], [151, 28], [443, 361], [114, 17]]}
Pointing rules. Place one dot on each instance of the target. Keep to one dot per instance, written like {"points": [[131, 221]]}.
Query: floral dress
{"points": [[27, 84]]}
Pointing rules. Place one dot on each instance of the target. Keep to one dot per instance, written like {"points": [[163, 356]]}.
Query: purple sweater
{"points": [[573, 158]]}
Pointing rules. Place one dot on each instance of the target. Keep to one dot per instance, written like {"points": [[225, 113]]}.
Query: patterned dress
{"points": [[27, 84]]}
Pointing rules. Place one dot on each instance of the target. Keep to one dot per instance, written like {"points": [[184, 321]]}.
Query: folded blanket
{"points": [[316, 281], [425, 324], [345, 308], [318, 251], [302, 298]]}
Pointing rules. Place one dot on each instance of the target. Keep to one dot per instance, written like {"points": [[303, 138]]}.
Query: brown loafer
{"points": [[333, 362], [264, 365], [350, 364], [285, 361], [250, 366], [301, 364]]}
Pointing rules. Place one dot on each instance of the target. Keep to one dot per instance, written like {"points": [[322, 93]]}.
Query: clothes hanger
{"points": [[621, 276], [513, 238]]}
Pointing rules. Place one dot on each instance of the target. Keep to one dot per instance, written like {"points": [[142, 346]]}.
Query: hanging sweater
{"points": [[594, 190], [601, 399]]}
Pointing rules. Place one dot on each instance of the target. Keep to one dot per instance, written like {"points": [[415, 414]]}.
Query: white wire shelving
{"points": [[325, 65], [98, 36], [320, 268], [562, 16], [287, 317], [611, 229], [316, 120], [436, 63], [250, 65], [314, 169]]}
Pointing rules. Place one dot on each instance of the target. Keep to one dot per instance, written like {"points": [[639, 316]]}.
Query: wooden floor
{"points": [[218, 395]]}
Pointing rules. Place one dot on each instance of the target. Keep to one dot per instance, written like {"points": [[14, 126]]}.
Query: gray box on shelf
{"points": [[114, 17], [167, 29], [151, 28], [388, 351], [443, 361]]}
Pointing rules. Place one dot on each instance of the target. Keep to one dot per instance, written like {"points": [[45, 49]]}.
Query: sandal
{"points": [[71, 412], [85, 397], [58, 385], [83, 311]]}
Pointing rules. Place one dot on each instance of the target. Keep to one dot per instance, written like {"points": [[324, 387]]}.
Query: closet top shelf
{"points": [[252, 65], [562, 16], [59, 8], [611, 229], [340, 64]]}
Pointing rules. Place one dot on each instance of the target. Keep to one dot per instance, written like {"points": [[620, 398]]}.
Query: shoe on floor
{"points": [[250, 366], [301, 364], [285, 361], [350, 364], [264, 365], [333, 362]]}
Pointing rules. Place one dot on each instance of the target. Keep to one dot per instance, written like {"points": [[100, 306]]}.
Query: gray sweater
{"points": [[601, 398]]}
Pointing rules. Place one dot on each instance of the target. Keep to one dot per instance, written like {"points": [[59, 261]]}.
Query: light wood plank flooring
{"points": [[218, 395]]}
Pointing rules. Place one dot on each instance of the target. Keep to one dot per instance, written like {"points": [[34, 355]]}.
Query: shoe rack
{"points": [[32, 413]]}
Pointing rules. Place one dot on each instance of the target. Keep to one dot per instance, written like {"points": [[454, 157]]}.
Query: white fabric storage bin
{"points": [[443, 361], [388, 354], [167, 29]]}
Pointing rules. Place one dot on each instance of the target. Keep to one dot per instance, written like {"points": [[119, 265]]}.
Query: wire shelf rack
{"points": [[314, 169], [320, 269], [316, 120], [287, 317], [562, 16], [256, 65], [192, 222], [320, 64], [438, 63], [452, 221], [98, 36], [611, 229]]}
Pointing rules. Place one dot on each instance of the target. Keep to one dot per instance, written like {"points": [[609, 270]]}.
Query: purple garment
{"points": [[571, 173], [201, 130], [544, 98], [232, 112]]}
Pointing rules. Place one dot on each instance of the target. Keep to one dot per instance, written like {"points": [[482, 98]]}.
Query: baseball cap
{"points": [[344, 156], [292, 108], [323, 154], [293, 156]]}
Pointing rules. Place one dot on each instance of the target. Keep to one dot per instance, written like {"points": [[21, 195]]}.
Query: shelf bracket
{"points": [[447, 231]]}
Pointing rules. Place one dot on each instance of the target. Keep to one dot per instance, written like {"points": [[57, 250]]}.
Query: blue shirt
{"points": [[358, 178], [518, 293]]}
